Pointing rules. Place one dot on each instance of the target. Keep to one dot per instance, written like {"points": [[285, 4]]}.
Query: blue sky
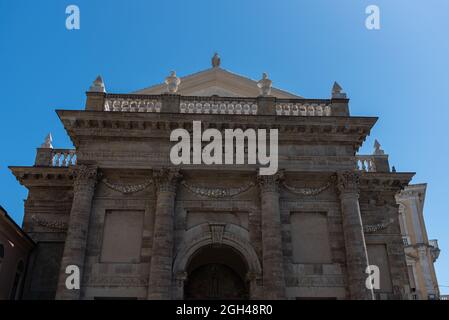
{"points": [[399, 73]]}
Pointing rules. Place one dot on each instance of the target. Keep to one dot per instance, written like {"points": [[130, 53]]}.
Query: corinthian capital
{"points": [[348, 182], [270, 183], [167, 179], [84, 175]]}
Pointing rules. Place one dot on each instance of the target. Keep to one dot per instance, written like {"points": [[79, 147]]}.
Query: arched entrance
{"points": [[216, 272]]}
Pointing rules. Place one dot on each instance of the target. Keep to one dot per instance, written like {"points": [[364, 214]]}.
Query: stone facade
{"points": [[138, 226]]}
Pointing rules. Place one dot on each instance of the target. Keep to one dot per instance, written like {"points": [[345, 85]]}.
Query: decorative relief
{"points": [[217, 192], [370, 228], [128, 188], [217, 231], [270, 183], [84, 174], [167, 179], [348, 182], [307, 191], [53, 224]]}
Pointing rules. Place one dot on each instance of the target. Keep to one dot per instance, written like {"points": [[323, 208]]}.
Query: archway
{"points": [[216, 272]]}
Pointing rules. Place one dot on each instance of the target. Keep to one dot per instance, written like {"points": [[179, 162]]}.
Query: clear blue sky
{"points": [[399, 73]]}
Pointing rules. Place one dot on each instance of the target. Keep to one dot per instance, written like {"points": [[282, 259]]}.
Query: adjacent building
{"points": [[420, 252], [15, 249]]}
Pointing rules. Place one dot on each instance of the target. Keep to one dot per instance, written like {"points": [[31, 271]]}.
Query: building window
{"points": [[17, 280]]}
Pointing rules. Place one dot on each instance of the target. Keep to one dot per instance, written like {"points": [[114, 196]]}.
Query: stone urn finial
{"points": [[216, 60], [172, 82], [97, 85], [264, 85], [47, 143], [377, 149], [337, 91]]}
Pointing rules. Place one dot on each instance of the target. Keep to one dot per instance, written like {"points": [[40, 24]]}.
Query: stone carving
{"points": [[129, 188], [217, 231], [270, 183], [264, 85], [370, 228], [217, 192], [55, 225], [348, 182], [84, 174], [172, 82], [180, 277], [167, 179], [47, 143], [97, 85], [216, 60], [337, 91], [307, 191], [377, 148]]}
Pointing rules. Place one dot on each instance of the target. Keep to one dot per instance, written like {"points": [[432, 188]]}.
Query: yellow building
{"points": [[421, 253]]}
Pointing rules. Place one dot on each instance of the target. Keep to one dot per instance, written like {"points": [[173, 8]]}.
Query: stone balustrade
{"points": [[406, 240], [365, 163], [132, 103], [303, 109], [214, 106], [63, 157]]}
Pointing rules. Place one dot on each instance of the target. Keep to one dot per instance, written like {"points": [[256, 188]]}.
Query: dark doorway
{"points": [[216, 272]]}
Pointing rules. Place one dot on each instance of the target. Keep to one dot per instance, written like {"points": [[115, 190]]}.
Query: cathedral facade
{"points": [[138, 226]]}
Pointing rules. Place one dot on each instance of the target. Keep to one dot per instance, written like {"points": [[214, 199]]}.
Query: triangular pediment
{"points": [[217, 81]]}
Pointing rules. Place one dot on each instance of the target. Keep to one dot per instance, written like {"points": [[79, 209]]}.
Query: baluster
{"points": [[363, 164], [254, 109]]}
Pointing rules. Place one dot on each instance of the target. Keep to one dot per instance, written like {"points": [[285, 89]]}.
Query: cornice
{"points": [[43, 176], [87, 124], [385, 181]]}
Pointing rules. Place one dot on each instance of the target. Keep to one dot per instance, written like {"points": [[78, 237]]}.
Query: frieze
{"points": [[127, 188], [217, 192], [371, 228], [307, 191], [316, 281], [50, 224]]}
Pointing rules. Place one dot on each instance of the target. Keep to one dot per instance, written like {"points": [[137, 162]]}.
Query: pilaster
{"points": [[273, 268], [355, 246], [160, 278], [85, 178]]}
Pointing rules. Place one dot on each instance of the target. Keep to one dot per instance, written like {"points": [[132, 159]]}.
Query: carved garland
{"points": [[377, 227], [129, 188], [56, 225], [217, 192], [307, 191]]}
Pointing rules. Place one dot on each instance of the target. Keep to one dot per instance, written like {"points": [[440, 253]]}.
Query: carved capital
{"points": [[167, 179], [84, 176], [348, 183], [270, 183], [180, 277]]}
